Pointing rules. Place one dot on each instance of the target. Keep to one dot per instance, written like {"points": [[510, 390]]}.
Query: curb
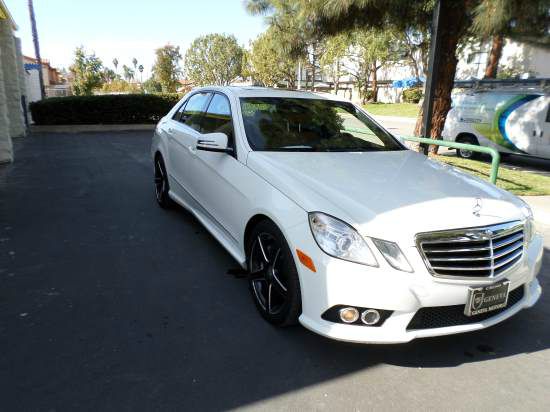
{"points": [[78, 128]]}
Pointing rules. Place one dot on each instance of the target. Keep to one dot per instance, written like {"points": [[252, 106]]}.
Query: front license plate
{"points": [[487, 298]]}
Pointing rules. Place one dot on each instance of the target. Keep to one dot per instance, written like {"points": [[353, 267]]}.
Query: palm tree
{"points": [[115, 63], [134, 62], [140, 68], [128, 73], [36, 49]]}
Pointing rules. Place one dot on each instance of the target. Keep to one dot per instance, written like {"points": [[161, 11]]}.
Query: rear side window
{"points": [[218, 118], [194, 109]]}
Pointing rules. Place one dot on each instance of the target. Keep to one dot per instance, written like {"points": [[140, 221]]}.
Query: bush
{"points": [[412, 95], [105, 109]]}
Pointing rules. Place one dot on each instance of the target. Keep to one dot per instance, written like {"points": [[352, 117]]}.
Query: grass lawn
{"points": [[392, 109], [515, 181]]}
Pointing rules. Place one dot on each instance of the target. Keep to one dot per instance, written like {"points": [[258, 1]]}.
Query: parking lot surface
{"points": [[109, 303]]}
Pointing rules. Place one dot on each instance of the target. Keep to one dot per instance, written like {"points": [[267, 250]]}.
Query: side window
{"points": [[194, 109], [218, 118], [178, 113]]}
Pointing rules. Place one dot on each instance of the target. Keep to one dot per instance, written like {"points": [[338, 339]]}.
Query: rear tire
{"points": [[273, 278], [467, 154], [161, 184]]}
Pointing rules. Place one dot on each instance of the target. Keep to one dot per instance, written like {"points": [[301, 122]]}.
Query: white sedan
{"points": [[339, 226]]}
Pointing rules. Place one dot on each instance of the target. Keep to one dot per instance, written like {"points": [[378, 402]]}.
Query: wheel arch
{"points": [[464, 135]]}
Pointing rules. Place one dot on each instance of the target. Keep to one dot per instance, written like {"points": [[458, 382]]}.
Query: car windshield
{"points": [[316, 125]]}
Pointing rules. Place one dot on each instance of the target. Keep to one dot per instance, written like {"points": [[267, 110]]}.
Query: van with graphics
{"points": [[511, 121]]}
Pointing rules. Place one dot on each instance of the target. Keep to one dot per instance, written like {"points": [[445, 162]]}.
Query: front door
{"points": [[183, 131], [218, 177]]}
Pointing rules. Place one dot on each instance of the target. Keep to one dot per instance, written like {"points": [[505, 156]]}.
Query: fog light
{"points": [[349, 315], [370, 317]]}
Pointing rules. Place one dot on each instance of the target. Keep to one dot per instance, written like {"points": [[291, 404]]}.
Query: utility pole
{"points": [[431, 78], [37, 49]]}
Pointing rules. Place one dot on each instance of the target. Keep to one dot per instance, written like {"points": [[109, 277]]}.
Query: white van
{"points": [[510, 121]]}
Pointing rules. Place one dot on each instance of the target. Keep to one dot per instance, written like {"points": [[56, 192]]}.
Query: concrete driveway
{"points": [[109, 303]]}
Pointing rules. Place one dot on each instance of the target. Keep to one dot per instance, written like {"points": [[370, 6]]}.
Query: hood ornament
{"points": [[477, 207]]}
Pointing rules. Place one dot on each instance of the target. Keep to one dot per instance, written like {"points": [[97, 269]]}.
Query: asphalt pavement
{"points": [[109, 303]]}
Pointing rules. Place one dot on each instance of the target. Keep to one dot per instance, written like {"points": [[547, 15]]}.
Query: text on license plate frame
{"points": [[487, 298]]}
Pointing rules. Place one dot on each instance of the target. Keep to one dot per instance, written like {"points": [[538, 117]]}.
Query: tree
{"points": [[115, 63], [293, 30], [87, 70], [337, 49], [120, 86], [140, 68], [527, 20], [213, 59], [166, 69], [128, 73], [268, 63], [151, 85], [377, 48], [135, 62], [109, 75]]}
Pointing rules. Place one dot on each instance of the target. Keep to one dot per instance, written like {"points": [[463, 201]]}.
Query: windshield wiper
{"points": [[296, 148]]}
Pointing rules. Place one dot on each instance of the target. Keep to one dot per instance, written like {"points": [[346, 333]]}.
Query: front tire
{"points": [[273, 278]]}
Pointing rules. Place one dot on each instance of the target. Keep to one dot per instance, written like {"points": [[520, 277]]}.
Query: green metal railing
{"points": [[495, 155]]}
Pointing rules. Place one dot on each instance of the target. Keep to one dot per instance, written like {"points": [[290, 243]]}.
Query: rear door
{"points": [[183, 130]]}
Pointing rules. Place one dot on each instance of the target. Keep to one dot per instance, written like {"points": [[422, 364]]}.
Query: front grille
{"points": [[443, 316], [474, 252]]}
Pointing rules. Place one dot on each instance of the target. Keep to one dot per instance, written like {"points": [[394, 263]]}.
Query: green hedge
{"points": [[413, 95], [103, 109]]}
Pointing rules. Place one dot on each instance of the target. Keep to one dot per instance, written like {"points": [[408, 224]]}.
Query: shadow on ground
{"points": [[108, 302]]}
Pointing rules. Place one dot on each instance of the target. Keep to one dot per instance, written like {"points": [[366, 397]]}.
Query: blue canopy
{"points": [[409, 82]]}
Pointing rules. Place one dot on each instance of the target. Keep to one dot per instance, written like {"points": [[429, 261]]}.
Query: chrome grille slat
{"points": [[472, 253], [507, 241]]}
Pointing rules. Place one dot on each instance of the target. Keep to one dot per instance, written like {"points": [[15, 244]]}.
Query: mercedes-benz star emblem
{"points": [[477, 207]]}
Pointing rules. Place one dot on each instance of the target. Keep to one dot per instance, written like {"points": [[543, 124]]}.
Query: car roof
{"points": [[255, 91]]}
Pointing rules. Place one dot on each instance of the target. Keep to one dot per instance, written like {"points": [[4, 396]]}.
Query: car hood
{"points": [[391, 195]]}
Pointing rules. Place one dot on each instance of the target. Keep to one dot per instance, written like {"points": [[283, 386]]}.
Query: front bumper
{"points": [[338, 282]]}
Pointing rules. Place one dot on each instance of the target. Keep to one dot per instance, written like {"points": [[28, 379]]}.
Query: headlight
{"points": [[340, 240], [393, 255], [529, 223]]}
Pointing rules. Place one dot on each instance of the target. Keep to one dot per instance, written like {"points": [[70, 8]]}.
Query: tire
{"points": [[467, 154], [161, 184], [272, 275]]}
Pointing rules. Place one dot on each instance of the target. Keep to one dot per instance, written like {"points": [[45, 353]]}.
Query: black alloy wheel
{"points": [[273, 278], [161, 184]]}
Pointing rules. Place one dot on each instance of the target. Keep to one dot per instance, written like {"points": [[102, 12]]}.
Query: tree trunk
{"points": [[337, 77], [374, 83], [494, 57], [453, 22]]}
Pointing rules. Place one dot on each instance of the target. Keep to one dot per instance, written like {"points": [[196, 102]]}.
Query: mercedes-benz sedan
{"points": [[338, 225]]}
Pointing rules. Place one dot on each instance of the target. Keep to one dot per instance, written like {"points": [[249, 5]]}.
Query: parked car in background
{"points": [[338, 225], [510, 121]]}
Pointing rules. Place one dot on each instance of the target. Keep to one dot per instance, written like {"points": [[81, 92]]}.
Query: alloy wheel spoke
{"points": [[262, 250], [268, 299], [279, 284]]}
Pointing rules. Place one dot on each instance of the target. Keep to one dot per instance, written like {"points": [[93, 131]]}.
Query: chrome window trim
{"points": [[489, 233]]}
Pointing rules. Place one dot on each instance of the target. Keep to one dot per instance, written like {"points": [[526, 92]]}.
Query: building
{"points": [[55, 83], [12, 85]]}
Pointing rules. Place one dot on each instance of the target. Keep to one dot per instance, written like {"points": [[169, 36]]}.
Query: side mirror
{"points": [[214, 142]]}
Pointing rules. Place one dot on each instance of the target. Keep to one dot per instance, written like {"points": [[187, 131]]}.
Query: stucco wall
{"points": [[12, 90], [6, 150]]}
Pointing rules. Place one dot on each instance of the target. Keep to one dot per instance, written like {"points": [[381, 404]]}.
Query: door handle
{"points": [[192, 150], [170, 130]]}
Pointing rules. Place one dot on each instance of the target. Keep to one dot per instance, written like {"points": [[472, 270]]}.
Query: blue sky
{"points": [[127, 29]]}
